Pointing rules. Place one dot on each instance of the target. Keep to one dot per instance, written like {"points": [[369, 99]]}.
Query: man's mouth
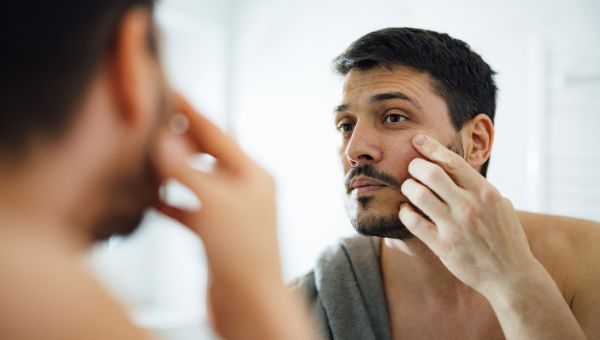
{"points": [[364, 185]]}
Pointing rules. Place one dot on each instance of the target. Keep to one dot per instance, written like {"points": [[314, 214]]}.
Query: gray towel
{"points": [[345, 291]]}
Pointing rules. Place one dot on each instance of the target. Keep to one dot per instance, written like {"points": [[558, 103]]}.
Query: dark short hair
{"points": [[50, 51], [459, 75]]}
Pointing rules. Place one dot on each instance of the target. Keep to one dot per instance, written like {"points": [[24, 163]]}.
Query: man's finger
{"points": [[458, 169], [209, 138], [422, 198], [418, 225], [171, 157], [435, 178]]}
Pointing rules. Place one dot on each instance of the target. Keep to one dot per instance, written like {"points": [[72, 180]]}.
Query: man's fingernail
{"points": [[420, 140], [179, 124]]}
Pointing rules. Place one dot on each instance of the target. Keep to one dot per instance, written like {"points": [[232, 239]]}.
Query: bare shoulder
{"points": [[46, 295], [566, 246], [549, 233], [569, 248]]}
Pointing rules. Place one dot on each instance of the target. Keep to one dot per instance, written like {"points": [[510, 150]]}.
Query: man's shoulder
{"points": [[306, 282], [555, 220], [43, 285], [31, 275], [343, 246], [344, 290], [566, 246], [566, 233], [330, 259]]}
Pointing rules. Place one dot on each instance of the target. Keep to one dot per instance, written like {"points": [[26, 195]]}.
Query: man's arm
{"points": [[585, 249], [479, 238]]}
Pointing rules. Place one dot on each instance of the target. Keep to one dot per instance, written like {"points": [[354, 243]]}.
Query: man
{"points": [[84, 147], [446, 256]]}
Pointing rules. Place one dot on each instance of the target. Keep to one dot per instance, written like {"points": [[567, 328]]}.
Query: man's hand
{"points": [[470, 226], [237, 223], [236, 219], [477, 234]]}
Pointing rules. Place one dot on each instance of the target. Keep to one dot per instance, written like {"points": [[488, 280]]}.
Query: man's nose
{"points": [[363, 147]]}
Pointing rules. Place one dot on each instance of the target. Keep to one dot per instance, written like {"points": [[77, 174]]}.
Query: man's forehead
{"points": [[379, 85], [399, 82], [382, 77]]}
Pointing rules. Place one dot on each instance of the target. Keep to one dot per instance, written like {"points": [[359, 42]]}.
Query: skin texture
{"points": [[99, 177], [477, 267]]}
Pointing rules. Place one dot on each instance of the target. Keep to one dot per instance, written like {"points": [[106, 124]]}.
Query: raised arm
{"points": [[479, 238]]}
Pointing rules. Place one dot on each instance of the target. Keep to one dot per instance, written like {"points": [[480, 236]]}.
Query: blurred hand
{"points": [[236, 219], [237, 224]]}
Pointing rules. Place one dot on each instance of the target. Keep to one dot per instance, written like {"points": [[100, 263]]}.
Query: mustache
{"points": [[369, 170]]}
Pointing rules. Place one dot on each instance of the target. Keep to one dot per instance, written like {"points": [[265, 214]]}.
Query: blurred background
{"points": [[261, 70]]}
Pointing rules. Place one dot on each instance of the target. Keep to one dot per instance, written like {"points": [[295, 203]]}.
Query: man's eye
{"points": [[345, 127], [394, 118]]}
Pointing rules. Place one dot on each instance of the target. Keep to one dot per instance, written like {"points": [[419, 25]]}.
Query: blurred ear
{"points": [[480, 134], [134, 67]]}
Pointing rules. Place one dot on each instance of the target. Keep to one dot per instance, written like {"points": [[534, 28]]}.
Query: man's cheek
{"points": [[400, 159]]}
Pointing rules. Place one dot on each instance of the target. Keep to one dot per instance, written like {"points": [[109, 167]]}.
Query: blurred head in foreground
{"points": [[82, 98]]}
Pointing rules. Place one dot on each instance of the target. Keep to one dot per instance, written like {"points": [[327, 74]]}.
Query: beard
{"points": [[382, 226], [388, 226], [131, 195]]}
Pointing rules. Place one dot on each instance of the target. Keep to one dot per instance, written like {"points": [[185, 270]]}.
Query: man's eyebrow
{"points": [[341, 108], [379, 98], [392, 95]]}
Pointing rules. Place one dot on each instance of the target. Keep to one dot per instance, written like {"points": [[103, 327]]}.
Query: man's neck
{"points": [[31, 226], [34, 204], [425, 301], [410, 266]]}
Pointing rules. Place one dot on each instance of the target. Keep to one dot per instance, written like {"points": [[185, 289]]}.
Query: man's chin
{"points": [[123, 225], [381, 226]]}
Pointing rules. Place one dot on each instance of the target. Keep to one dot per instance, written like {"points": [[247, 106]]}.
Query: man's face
{"points": [[133, 185], [380, 113]]}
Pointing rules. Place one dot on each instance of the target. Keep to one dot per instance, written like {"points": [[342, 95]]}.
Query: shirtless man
{"points": [[447, 256], [84, 146]]}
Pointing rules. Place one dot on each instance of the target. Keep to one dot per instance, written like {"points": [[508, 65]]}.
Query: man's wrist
{"points": [[522, 292], [531, 306]]}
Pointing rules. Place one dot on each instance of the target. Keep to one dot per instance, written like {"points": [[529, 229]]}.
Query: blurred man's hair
{"points": [[49, 53], [459, 75]]}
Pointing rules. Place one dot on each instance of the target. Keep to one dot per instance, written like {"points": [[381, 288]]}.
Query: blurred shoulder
{"points": [[44, 289]]}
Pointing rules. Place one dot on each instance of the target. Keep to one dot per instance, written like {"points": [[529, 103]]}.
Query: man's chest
{"points": [[411, 320]]}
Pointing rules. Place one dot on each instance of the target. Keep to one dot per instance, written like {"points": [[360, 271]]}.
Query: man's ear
{"points": [[480, 132], [132, 66]]}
